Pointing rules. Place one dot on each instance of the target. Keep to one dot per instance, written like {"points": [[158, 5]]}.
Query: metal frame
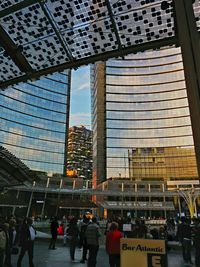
{"points": [[189, 40], [89, 60], [16, 53]]}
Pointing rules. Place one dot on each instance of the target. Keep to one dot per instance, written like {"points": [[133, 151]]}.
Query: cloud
{"points": [[17, 144], [80, 80], [17, 139], [83, 86], [80, 119]]}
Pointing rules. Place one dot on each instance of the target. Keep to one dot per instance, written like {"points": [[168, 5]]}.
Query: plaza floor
{"points": [[43, 257]]}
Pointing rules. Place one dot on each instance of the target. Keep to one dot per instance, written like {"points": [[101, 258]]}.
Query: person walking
{"points": [[2, 244], [113, 245], [197, 242], [11, 242], [82, 231], [54, 232], [73, 233], [184, 235], [92, 235], [26, 241]]}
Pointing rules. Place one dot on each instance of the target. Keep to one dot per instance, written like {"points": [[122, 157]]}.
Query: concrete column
{"points": [[29, 204], [14, 208], [43, 205]]}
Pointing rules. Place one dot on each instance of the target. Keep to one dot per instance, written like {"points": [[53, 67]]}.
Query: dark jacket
{"points": [[73, 231], [184, 231], [25, 235], [54, 227]]}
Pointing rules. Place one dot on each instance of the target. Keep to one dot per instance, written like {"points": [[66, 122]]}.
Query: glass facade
{"points": [[34, 121], [146, 107]]}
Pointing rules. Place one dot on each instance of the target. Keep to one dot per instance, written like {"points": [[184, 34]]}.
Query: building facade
{"points": [[144, 108], [168, 163], [149, 199], [34, 122], [79, 159], [34, 128]]}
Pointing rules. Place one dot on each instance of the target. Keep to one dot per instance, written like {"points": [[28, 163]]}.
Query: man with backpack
{"points": [[92, 236], [82, 229]]}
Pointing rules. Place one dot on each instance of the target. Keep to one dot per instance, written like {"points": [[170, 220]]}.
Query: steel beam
{"points": [[113, 24], [89, 60], [14, 8], [14, 52], [56, 30], [189, 40]]}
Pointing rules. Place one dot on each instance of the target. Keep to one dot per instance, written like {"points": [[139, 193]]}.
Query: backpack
{"points": [[83, 230], [2, 240]]}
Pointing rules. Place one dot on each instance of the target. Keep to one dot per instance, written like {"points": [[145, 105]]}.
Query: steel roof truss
{"points": [[14, 51], [89, 60], [56, 30], [12, 9], [113, 23]]}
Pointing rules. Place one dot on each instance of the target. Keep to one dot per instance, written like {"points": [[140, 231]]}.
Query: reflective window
{"points": [[147, 112], [33, 122]]}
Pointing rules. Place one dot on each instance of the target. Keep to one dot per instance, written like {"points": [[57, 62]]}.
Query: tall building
{"points": [[34, 122], [79, 160], [140, 104], [149, 99]]}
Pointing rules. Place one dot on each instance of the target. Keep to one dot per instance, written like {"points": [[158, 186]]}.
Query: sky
{"points": [[80, 107]]}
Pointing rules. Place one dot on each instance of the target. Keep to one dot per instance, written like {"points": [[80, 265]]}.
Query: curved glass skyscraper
{"points": [[146, 132], [34, 121]]}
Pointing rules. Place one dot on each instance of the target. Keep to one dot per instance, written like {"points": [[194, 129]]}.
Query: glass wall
{"points": [[146, 106], [34, 118]]}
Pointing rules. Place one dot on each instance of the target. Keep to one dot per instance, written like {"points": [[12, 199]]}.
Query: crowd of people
{"points": [[15, 235], [18, 237], [85, 234]]}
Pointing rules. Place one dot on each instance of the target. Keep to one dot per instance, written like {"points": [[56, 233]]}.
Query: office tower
{"points": [[34, 122], [140, 104], [79, 160]]}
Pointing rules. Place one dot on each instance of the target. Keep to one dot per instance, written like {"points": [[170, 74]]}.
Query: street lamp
{"points": [[190, 196]]}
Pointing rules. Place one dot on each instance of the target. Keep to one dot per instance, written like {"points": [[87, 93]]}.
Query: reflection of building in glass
{"points": [[169, 163], [79, 160], [141, 102], [34, 121]]}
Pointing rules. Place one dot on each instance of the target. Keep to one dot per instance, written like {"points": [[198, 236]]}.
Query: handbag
{"points": [[14, 250]]}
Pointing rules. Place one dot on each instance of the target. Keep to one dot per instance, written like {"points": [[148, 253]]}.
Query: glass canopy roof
{"points": [[38, 37]]}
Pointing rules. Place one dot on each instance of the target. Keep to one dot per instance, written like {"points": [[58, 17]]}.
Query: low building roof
{"points": [[13, 171]]}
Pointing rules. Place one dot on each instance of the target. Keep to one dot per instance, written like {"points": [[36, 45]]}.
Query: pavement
{"points": [[43, 257]]}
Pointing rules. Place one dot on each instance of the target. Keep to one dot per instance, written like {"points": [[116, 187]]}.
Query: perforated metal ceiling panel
{"points": [[40, 37], [8, 70]]}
